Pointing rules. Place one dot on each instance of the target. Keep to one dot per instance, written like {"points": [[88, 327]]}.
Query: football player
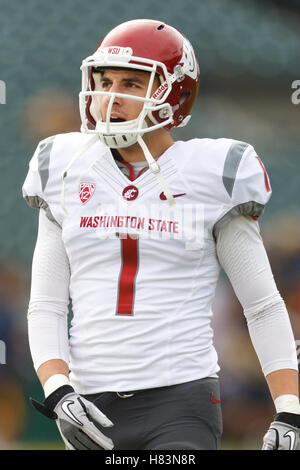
{"points": [[134, 228]]}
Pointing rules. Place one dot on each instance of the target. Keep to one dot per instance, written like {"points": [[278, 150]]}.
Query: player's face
{"points": [[130, 82]]}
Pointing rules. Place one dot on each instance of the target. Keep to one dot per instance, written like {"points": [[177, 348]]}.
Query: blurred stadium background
{"points": [[249, 56]]}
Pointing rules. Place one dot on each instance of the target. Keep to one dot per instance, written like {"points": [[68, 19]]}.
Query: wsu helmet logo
{"points": [[188, 57], [86, 191], [130, 193]]}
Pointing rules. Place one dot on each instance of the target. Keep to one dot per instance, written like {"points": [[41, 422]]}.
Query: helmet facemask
{"points": [[124, 134]]}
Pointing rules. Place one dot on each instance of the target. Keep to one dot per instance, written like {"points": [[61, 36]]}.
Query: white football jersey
{"points": [[143, 273]]}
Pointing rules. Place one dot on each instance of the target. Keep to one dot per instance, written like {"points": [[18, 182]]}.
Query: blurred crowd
{"points": [[15, 367]]}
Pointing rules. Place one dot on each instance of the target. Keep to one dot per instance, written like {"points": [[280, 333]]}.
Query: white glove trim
{"points": [[287, 403], [54, 382]]}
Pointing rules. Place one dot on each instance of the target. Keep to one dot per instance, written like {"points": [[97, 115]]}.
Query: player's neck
{"points": [[157, 141]]}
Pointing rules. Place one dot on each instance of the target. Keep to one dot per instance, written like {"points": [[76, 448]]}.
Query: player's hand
{"points": [[284, 433], [78, 419]]}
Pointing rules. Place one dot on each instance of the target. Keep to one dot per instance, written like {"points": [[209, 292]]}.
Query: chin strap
{"points": [[155, 168], [83, 149]]}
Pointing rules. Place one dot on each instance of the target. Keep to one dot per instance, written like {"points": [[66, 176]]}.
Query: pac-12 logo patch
{"points": [[130, 193], [86, 191]]}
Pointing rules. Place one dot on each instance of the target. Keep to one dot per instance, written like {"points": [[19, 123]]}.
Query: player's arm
{"points": [[284, 381], [49, 300], [50, 368], [77, 419], [242, 254]]}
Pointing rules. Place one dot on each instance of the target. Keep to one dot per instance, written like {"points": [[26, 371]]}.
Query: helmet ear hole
{"points": [[184, 96]]}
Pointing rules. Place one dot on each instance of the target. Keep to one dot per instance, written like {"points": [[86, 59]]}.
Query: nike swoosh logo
{"points": [[65, 407], [292, 435], [215, 400], [163, 197]]}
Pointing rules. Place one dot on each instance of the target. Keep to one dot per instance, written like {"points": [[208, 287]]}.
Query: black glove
{"points": [[77, 419]]}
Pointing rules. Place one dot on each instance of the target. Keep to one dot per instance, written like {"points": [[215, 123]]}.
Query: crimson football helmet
{"points": [[146, 45]]}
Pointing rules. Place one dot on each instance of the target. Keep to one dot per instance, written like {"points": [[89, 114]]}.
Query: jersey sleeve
{"points": [[33, 189], [246, 183]]}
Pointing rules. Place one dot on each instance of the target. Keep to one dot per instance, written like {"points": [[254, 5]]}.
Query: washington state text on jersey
{"points": [[128, 221]]}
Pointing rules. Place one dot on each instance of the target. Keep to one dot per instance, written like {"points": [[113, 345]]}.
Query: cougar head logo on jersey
{"points": [[130, 193], [150, 46]]}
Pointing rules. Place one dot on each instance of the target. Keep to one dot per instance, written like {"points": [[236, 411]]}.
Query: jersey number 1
{"points": [[128, 272]]}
